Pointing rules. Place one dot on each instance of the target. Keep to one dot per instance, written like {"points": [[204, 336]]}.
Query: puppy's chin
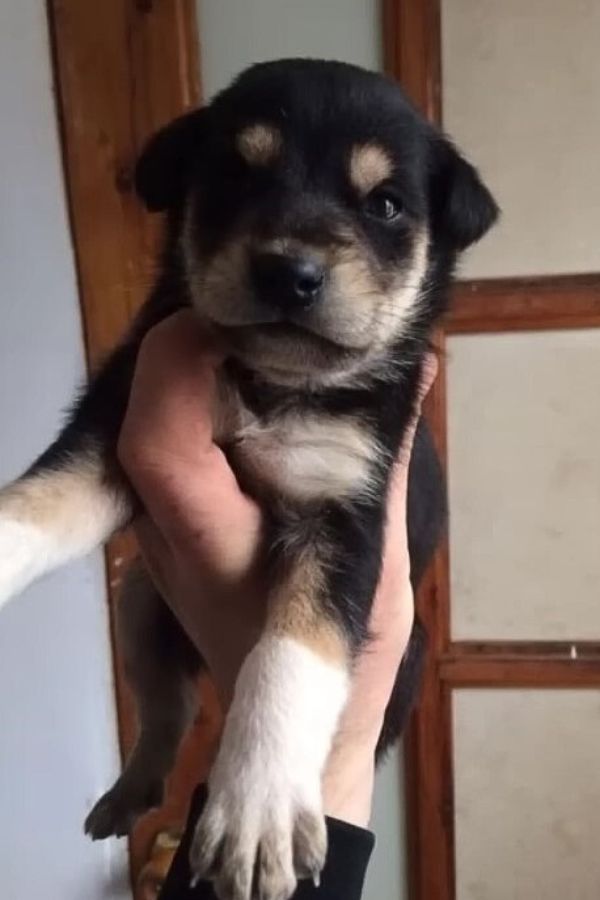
{"points": [[289, 355]]}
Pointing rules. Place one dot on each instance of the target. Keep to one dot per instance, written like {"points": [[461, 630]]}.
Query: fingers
{"points": [[170, 405], [390, 625], [399, 478], [429, 372], [166, 448], [393, 601]]}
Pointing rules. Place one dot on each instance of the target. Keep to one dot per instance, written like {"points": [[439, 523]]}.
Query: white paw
{"points": [[257, 840], [22, 556], [53, 516], [263, 825]]}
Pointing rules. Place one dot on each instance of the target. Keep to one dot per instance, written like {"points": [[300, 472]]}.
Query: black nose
{"points": [[287, 282]]}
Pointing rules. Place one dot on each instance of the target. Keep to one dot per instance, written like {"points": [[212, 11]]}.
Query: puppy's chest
{"points": [[299, 455]]}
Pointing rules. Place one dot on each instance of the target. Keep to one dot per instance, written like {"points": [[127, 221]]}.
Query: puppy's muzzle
{"points": [[287, 283]]}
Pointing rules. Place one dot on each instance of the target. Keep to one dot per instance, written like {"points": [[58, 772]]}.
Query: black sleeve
{"points": [[342, 878]]}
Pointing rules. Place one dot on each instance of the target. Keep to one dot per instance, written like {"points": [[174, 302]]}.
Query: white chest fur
{"points": [[309, 456]]}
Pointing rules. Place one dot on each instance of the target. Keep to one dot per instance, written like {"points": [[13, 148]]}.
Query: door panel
{"points": [[527, 795], [505, 738], [520, 92], [524, 485]]}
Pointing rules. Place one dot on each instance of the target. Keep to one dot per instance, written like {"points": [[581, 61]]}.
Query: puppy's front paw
{"points": [[263, 826], [256, 839]]}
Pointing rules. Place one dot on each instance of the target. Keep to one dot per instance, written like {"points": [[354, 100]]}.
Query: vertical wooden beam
{"points": [[123, 68], [428, 739], [412, 53]]}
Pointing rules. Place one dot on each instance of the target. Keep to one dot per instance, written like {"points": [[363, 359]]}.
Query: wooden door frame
{"points": [[122, 69], [413, 55]]}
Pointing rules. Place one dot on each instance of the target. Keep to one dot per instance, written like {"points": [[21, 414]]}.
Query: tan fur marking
{"points": [[364, 308], [259, 144], [296, 611], [50, 517], [370, 164], [65, 502]]}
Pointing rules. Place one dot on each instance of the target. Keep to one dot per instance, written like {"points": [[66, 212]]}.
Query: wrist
{"points": [[348, 784]]}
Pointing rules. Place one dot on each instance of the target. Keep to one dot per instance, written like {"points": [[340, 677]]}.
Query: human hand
{"points": [[350, 773], [202, 540]]}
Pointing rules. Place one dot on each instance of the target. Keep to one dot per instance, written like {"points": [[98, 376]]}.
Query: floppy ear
{"points": [[462, 207], [163, 169]]}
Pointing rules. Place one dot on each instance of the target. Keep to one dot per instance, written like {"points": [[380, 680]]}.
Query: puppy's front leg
{"points": [[264, 818], [72, 498], [56, 512]]}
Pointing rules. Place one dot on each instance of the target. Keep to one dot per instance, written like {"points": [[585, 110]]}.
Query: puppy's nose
{"points": [[287, 282]]}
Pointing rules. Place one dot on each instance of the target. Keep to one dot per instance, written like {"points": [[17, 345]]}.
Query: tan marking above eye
{"points": [[259, 144], [370, 164]]}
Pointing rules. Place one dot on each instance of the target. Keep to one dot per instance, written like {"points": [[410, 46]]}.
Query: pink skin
{"points": [[201, 539]]}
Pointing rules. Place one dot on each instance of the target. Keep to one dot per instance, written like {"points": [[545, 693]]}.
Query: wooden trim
{"points": [[540, 650], [412, 53], [412, 50], [428, 740], [428, 760], [502, 672], [522, 304], [123, 69]]}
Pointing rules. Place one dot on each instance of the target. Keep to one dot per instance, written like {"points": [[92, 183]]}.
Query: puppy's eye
{"points": [[381, 204]]}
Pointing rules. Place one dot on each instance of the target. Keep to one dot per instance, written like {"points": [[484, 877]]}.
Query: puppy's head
{"points": [[311, 205]]}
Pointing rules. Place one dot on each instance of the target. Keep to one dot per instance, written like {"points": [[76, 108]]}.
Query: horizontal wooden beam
{"points": [[525, 304], [540, 650], [500, 672]]}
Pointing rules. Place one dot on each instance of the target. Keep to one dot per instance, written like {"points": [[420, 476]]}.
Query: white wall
{"points": [[527, 793], [387, 876], [234, 34], [521, 94], [524, 485], [57, 739]]}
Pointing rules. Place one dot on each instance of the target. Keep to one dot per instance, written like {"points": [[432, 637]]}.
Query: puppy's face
{"points": [[311, 201]]}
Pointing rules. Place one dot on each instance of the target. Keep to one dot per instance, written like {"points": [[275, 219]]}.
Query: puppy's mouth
{"points": [[284, 335], [288, 330], [288, 349]]}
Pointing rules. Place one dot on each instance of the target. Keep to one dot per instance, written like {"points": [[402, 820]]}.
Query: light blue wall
{"points": [[58, 746], [233, 34], [386, 876]]}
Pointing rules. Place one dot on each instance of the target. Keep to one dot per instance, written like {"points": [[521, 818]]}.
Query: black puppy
{"points": [[313, 221]]}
